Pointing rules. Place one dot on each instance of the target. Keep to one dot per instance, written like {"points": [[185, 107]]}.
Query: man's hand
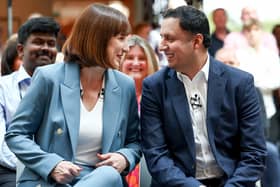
{"points": [[116, 160], [64, 172]]}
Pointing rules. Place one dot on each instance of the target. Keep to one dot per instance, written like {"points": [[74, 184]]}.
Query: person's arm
{"points": [[7, 158], [252, 143], [26, 122], [159, 159]]}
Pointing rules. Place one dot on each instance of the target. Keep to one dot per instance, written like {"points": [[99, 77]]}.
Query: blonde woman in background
{"points": [[139, 62]]}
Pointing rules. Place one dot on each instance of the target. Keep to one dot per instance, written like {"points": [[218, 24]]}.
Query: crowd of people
{"points": [[189, 108]]}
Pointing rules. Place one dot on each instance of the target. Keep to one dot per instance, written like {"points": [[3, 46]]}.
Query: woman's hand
{"points": [[116, 160], [64, 172]]}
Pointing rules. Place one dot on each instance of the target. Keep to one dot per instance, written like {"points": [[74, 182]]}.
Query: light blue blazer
{"points": [[50, 112]]}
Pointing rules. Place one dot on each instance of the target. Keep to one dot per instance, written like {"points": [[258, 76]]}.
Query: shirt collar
{"points": [[205, 68], [22, 74]]}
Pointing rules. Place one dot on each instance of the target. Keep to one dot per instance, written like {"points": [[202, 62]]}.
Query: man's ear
{"points": [[198, 41], [20, 48]]}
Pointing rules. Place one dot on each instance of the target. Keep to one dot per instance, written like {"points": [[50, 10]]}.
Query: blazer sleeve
{"points": [[25, 124], [154, 146], [251, 136]]}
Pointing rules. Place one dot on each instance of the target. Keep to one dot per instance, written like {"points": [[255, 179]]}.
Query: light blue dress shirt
{"points": [[12, 89]]}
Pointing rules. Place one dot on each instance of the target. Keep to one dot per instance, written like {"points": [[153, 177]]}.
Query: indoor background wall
{"points": [[22, 9]]}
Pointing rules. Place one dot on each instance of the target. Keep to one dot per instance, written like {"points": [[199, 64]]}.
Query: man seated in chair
{"points": [[36, 47]]}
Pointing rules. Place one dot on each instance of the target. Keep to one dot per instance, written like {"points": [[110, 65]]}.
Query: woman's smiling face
{"points": [[135, 63]]}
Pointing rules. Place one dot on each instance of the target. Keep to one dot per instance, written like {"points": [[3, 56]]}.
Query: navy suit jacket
{"points": [[235, 132], [51, 112]]}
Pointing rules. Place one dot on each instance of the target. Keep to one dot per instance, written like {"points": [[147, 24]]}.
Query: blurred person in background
{"points": [[139, 62], [10, 60], [36, 47], [236, 40], [219, 17], [82, 113], [227, 56], [260, 61]]}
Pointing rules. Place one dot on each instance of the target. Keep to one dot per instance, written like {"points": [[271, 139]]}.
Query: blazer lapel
{"points": [[111, 110], [216, 89], [70, 97], [176, 92]]}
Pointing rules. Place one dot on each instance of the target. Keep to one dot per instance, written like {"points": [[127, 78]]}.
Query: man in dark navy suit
{"points": [[200, 119]]}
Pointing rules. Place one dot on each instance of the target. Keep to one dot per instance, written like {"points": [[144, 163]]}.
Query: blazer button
{"points": [[59, 131]]}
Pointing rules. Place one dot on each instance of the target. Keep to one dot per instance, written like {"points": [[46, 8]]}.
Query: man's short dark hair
{"points": [[37, 25], [191, 20]]}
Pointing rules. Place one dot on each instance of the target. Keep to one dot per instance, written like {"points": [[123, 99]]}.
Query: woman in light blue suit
{"points": [[78, 124]]}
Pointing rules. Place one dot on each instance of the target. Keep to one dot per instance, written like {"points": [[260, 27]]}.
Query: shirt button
{"points": [[59, 131]]}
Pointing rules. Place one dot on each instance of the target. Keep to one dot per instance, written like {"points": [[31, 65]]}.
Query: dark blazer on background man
{"points": [[235, 132]]}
